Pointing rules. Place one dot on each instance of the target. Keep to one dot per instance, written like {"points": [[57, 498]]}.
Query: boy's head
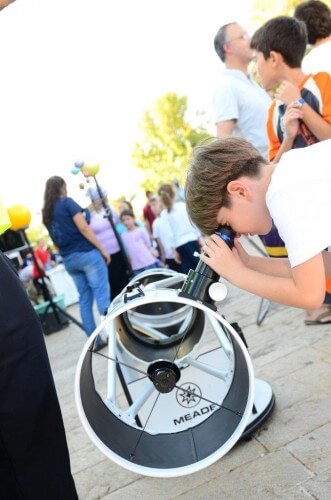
{"points": [[216, 177], [280, 43], [317, 17]]}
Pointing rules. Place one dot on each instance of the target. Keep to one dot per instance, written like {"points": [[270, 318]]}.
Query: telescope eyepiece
{"points": [[227, 234]]}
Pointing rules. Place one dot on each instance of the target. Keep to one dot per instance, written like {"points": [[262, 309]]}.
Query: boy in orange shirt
{"points": [[301, 113]]}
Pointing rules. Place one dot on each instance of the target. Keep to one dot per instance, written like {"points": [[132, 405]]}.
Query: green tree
{"points": [[166, 141], [267, 9], [34, 233]]}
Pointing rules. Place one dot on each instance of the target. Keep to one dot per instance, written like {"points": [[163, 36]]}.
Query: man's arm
{"points": [[225, 128]]}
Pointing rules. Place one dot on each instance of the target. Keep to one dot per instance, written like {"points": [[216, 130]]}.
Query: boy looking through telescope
{"points": [[229, 183]]}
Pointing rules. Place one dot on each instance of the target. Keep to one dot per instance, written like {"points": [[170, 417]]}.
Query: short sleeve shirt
{"points": [[299, 200], [138, 244], [64, 231], [318, 59], [238, 97], [161, 230]]}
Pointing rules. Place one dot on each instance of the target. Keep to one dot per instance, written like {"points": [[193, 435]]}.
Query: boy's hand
{"points": [[221, 259], [287, 92], [291, 121]]}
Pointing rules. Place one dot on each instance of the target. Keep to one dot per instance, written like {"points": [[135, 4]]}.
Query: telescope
{"points": [[175, 389]]}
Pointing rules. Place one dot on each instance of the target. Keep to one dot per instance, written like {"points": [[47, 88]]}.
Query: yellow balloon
{"points": [[4, 219], [19, 216], [90, 170]]}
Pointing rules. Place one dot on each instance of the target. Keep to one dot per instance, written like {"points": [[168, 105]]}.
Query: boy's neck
{"points": [[292, 75], [266, 174]]}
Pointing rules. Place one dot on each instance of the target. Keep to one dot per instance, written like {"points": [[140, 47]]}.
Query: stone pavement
{"points": [[289, 457]]}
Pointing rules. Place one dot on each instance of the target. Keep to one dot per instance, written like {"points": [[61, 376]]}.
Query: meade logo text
{"points": [[194, 414]]}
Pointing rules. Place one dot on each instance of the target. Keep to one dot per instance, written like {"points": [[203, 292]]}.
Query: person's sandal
{"points": [[321, 316]]}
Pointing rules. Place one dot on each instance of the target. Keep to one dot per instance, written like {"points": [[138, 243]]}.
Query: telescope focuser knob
{"points": [[217, 291]]}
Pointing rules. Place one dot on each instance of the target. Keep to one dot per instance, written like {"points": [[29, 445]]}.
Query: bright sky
{"points": [[76, 75]]}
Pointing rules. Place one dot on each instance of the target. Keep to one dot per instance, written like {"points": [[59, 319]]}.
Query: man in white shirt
{"points": [[240, 104], [317, 17]]}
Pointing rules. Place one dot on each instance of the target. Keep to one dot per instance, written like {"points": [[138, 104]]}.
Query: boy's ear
{"points": [[275, 58], [239, 189]]}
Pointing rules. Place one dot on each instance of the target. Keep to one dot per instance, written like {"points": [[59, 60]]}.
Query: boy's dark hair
{"points": [[317, 17], [284, 35], [220, 41], [126, 213], [213, 165]]}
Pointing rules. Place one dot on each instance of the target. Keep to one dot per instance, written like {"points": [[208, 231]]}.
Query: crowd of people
{"points": [[102, 248], [229, 182]]}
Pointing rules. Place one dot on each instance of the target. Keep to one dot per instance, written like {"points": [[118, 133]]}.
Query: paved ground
{"points": [[289, 457]]}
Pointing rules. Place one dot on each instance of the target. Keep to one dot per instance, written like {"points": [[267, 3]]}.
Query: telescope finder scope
{"points": [[202, 283]]}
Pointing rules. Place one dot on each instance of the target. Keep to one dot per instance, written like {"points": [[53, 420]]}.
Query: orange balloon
{"points": [[328, 284], [19, 216]]}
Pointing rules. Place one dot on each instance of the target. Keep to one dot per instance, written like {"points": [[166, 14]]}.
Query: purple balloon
{"points": [[79, 164]]}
